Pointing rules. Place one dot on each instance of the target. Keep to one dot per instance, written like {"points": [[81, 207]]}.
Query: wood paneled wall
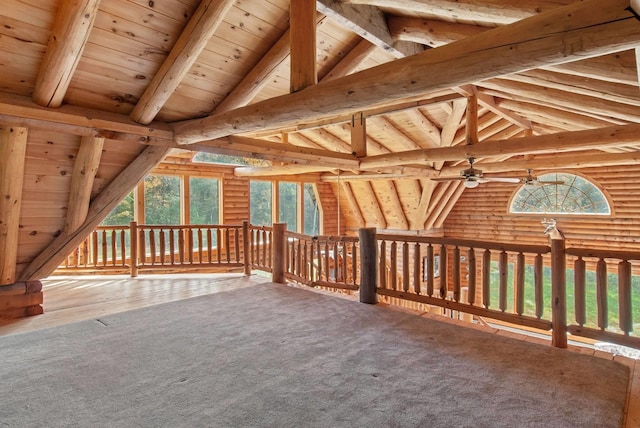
{"points": [[482, 213]]}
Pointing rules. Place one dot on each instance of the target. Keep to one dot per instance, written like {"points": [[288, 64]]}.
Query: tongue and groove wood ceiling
{"points": [[407, 90]]}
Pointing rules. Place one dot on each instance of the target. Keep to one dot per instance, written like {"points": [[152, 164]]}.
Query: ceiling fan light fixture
{"points": [[471, 184]]}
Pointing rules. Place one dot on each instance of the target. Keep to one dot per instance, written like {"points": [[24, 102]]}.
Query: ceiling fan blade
{"points": [[549, 182], [446, 178], [502, 179]]}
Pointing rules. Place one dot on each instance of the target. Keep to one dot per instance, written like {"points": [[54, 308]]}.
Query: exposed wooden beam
{"points": [[491, 11], [352, 60], [51, 257], [353, 204], [427, 128], [302, 18], [15, 109], [589, 28], [85, 168], [279, 170], [614, 136], [448, 205], [69, 35], [183, 55], [367, 198], [617, 67], [369, 23], [458, 108], [422, 212], [488, 102], [391, 205], [261, 149], [429, 31], [471, 124], [565, 98], [359, 135], [13, 147]]}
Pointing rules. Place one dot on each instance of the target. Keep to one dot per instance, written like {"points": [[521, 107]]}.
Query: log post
{"points": [[278, 253], [133, 248], [368, 267], [245, 247], [558, 294]]}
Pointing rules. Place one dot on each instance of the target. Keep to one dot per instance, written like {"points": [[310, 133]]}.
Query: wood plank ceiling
{"points": [[395, 93]]}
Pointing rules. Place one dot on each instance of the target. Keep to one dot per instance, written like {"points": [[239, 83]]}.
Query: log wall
{"points": [[482, 213]]}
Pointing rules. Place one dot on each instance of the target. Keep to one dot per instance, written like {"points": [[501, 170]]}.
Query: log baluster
{"points": [[455, 274], [104, 247], [227, 245], [152, 246], [393, 266], [416, 268], [519, 289], [538, 281], [162, 247], [624, 296], [580, 296], [382, 265], [486, 278], [503, 272], [471, 268], [601, 294], [405, 267], [443, 272], [430, 270]]}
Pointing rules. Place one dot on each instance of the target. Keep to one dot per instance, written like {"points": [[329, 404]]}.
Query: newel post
{"points": [[278, 253], [558, 294], [245, 247], [133, 248], [368, 265]]}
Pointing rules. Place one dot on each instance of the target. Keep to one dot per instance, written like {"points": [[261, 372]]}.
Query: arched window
{"points": [[575, 195]]}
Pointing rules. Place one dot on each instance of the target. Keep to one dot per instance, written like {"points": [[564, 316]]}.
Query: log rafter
{"points": [[541, 40]]}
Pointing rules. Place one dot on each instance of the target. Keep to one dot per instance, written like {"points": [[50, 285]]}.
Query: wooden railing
{"points": [[611, 319], [475, 280], [324, 261], [585, 293], [160, 248], [187, 246], [105, 249], [260, 251]]}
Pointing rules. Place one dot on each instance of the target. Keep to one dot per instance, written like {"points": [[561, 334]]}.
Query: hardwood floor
{"points": [[78, 298]]}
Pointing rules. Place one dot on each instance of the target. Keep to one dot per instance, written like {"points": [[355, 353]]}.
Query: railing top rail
{"points": [[322, 238], [189, 226], [603, 254], [263, 227], [114, 227], [467, 243]]}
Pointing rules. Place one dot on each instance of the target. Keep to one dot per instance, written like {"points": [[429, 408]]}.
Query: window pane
{"points": [[204, 199], [260, 203], [122, 214], [288, 205], [575, 195], [311, 211], [162, 199]]}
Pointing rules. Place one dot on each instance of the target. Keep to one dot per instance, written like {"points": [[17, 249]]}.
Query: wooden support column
{"points": [[558, 294], [368, 265], [303, 44], [13, 147], [472, 120], [84, 172], [22, 298], [278, 253], [359, 135]]}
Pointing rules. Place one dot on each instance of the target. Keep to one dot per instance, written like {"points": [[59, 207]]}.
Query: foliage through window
{"points": [[311, 210], [288, 205], [261, 203], [204, 198], [162, 199], [122, 214], [575, 195]]}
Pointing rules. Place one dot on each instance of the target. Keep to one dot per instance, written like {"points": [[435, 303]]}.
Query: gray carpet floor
{"points": [[276, 356]]}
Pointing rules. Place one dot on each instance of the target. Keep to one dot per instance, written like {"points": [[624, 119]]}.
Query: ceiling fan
{"points": [[531, 180], [473, 177]]}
